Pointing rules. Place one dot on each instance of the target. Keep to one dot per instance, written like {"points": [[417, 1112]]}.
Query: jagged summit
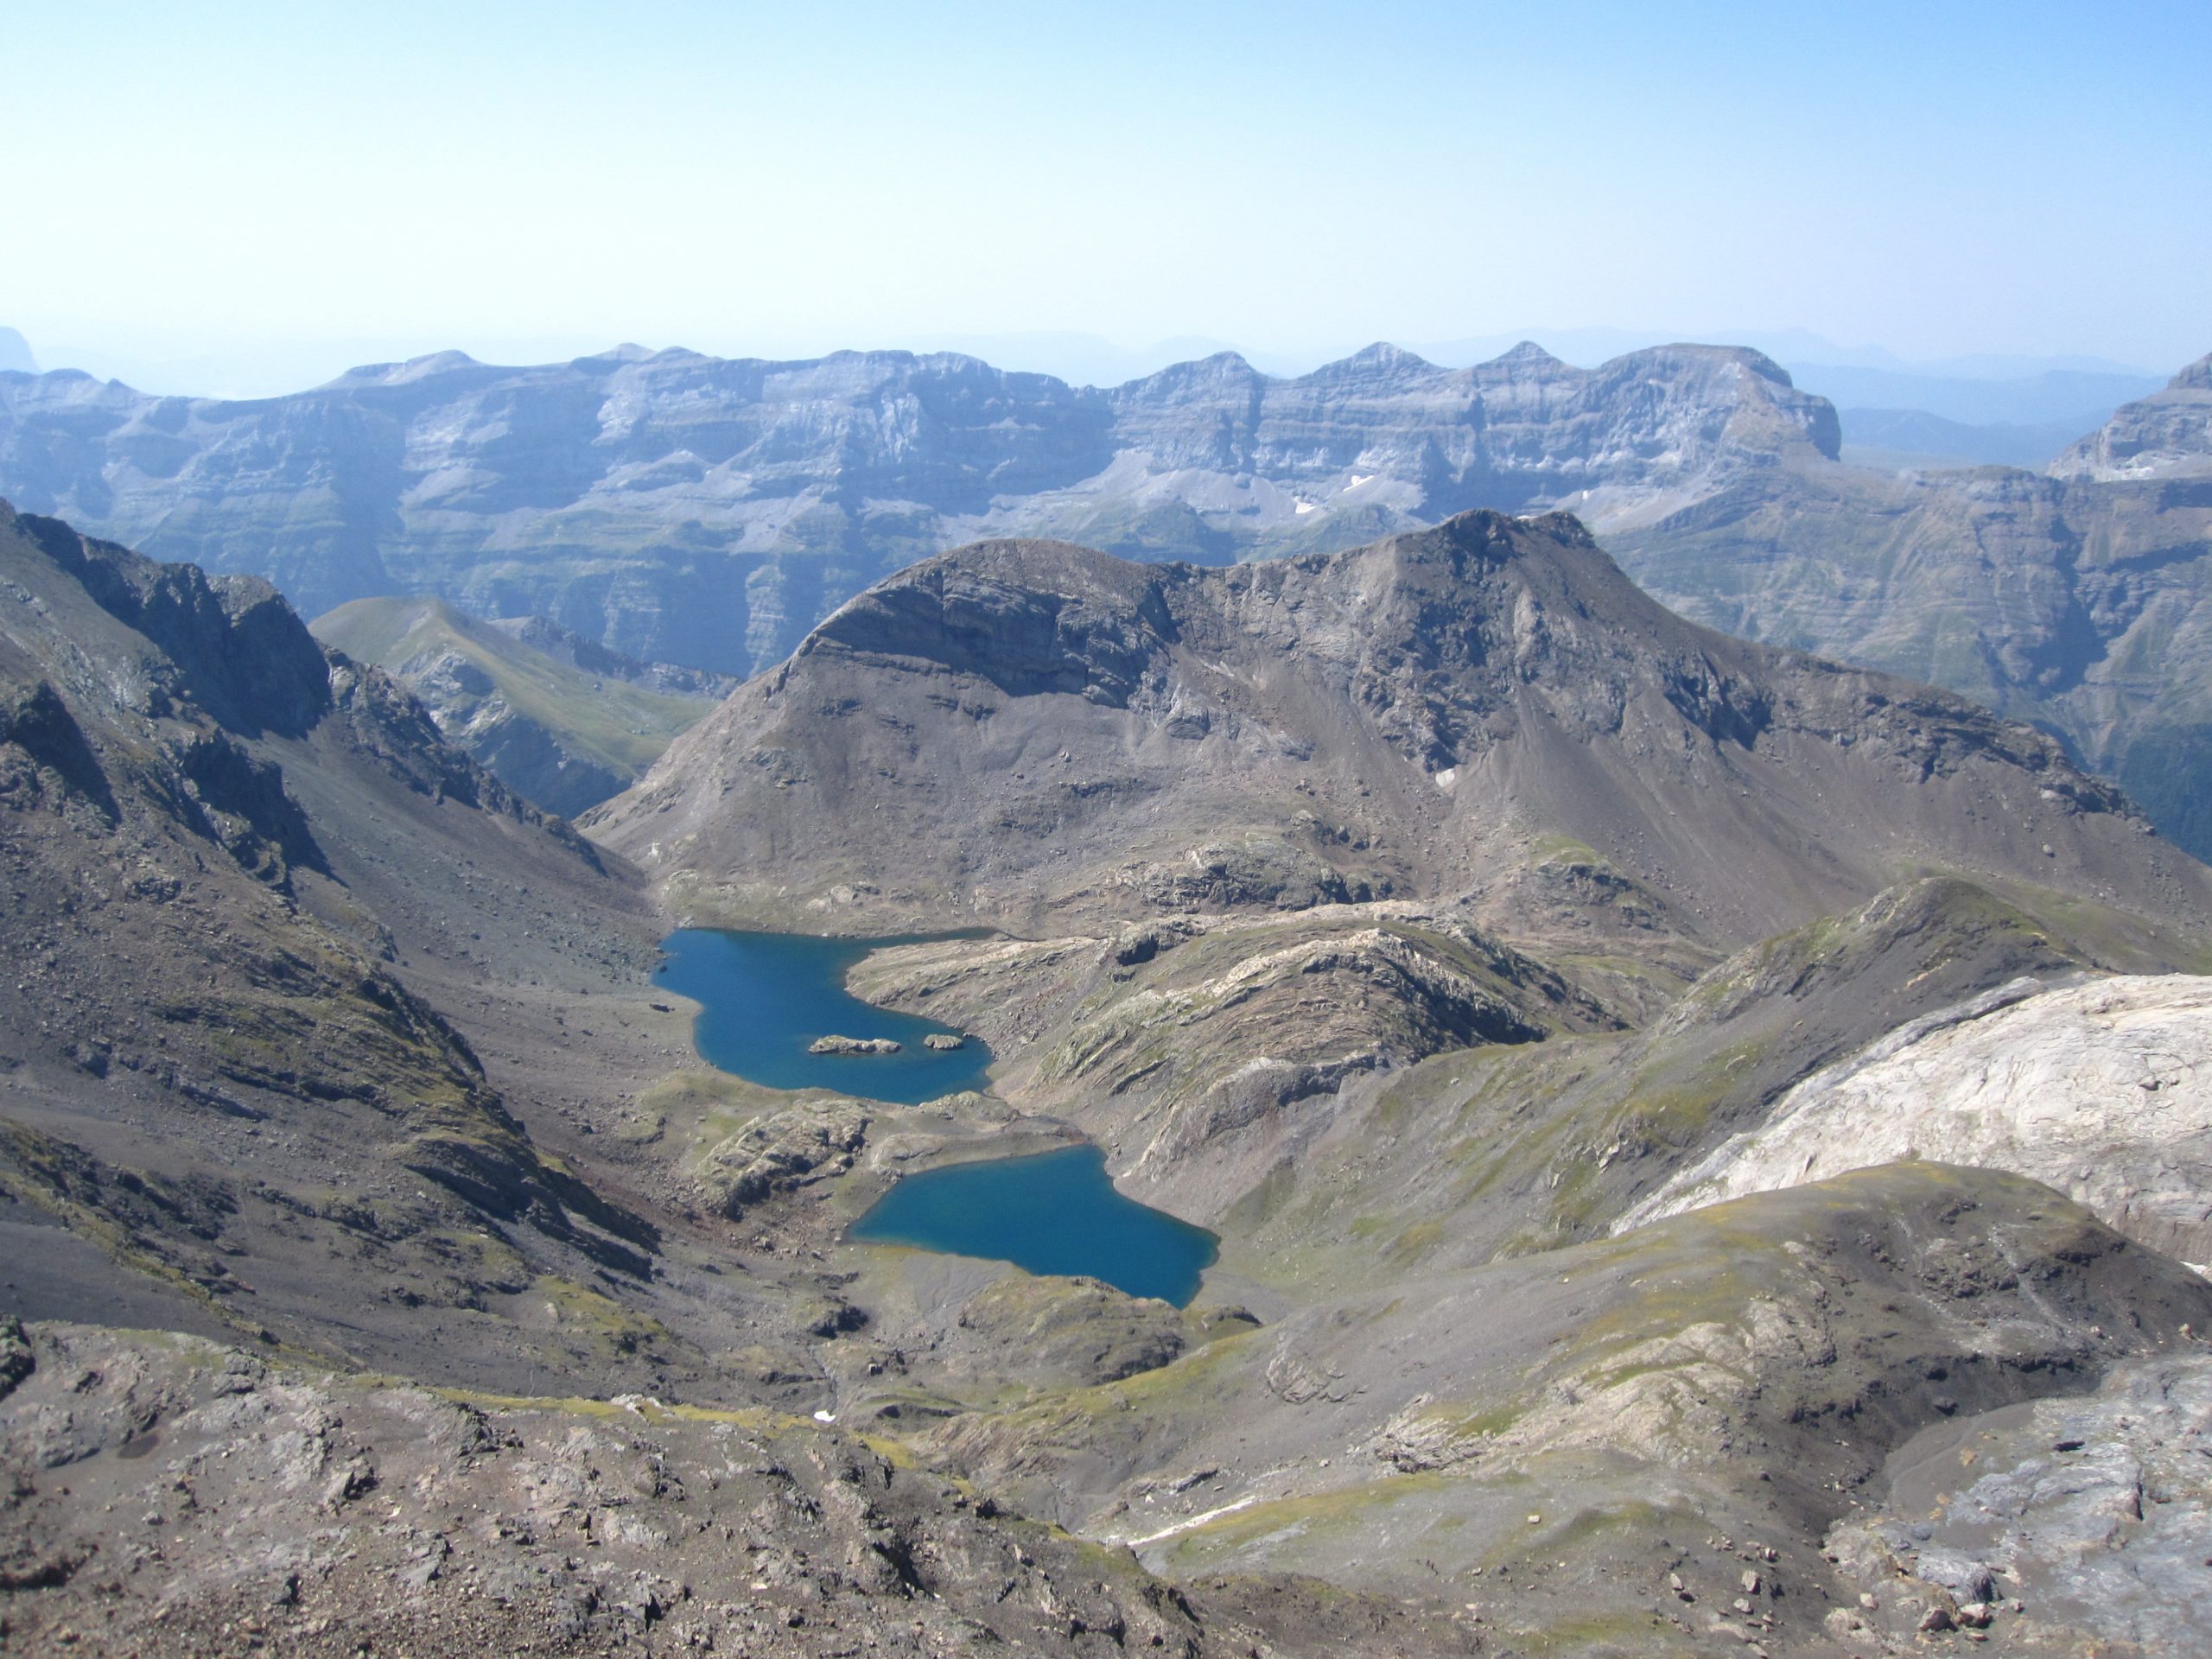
{"points": [[1021, 727]]}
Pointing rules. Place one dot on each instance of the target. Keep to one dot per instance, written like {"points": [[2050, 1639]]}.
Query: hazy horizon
{"points": [[266, 196], [247, 370]]}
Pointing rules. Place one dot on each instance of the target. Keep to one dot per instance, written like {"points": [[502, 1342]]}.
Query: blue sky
{"points": [[1942, 179]]}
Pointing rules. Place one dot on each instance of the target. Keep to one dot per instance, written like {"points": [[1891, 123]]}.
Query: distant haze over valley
{"points": [[269, 366]]}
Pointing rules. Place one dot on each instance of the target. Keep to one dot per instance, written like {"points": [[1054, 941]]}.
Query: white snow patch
{"points": [[1358, 479], [1446, 778], [1305, 507], [1195, 1521]]}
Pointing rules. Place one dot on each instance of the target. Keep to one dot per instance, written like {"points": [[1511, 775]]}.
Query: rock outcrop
{"points": [[2103, 1091], [835, 1044], [1687, 1399]]}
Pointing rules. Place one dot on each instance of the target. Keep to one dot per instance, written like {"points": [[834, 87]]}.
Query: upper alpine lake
{"points": [[765, 996]]}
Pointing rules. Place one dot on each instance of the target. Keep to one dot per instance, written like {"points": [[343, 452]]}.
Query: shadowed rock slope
{"points": [[220, 847], [310, 1020], [1487, 712]]}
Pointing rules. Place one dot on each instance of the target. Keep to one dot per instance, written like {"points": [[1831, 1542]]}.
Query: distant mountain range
{"points": [[1904, 439], [2051, 395], [687, 509]]}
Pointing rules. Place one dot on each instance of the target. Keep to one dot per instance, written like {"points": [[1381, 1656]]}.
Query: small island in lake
{"points": [[856, 1046], [943, 1039]]}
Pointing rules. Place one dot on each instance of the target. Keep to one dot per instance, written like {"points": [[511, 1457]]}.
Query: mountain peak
{"points": [[413, 370], [1035, 733], [1529, 352], [1382, 355]]}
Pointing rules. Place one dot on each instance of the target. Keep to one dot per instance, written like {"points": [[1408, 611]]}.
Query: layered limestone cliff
{"points": [[690, 509]]}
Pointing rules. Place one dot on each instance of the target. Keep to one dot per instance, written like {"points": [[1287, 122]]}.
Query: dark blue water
{"points": [[1053, 1212], [767, 996]]}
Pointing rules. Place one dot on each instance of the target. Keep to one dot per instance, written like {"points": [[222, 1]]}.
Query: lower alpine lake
{"points": [[1050, 1212], [765, 996]]}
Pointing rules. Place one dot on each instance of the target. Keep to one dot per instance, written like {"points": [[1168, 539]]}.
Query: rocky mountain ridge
{"points": [[710, 512], [2167, 434], [2077, 599], [1479, 712]]}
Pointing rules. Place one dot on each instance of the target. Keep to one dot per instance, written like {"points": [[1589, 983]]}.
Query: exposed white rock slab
{"points": [[2102, 1090]]}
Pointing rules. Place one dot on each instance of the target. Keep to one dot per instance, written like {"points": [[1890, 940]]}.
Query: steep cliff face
{"points": [[687, 508], [2080, 600], [1017, 730], [2167, 434]]}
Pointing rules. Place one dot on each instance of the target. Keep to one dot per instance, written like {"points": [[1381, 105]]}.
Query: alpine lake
{"points": [[766, 997]]}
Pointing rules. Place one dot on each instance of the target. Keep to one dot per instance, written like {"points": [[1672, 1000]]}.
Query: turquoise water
{"points": [[765, 996], [1053, 1212]]}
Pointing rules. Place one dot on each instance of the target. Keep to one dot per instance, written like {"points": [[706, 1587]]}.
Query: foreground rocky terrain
{"points": [[172, 1495], [1438, 921]]}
